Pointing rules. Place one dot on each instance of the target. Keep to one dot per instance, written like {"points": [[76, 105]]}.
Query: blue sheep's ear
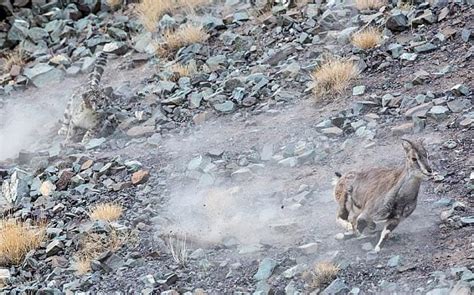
{"points": [[407, 145]]}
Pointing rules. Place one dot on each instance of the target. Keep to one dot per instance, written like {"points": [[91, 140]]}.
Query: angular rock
{"points": [[141, 131], [225, 107], [47, 188], [118, 48], [438, 112], [419, 111], [43, 74], [397, 22], [17, 187], [242, 174], [337, 287], [332, 131], [394, 261], [54, 247], [265, 269], [460, 89], [141, 176], [459, 105], [358, 90], [19, 30]]}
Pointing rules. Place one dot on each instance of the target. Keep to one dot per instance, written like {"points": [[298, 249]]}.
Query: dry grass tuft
{"points": [[185, 35], [82, 265], [114, 3], [181, 70], [321, 274], [334, 76], [13, 58], [106, 212], [369, 4], [17, 239], [150, 11], [368, 38], [93, 245], [178, 249]]}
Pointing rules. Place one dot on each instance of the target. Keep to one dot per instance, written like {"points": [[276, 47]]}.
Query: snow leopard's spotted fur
{"points": [[87, 114]]}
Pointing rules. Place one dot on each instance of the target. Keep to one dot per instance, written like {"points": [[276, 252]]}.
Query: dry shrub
{"points": [[106, 212], [368, 38], [178, 249], [181, 70], [114, 3], [13, 58], [150, 11], [185, 35], [369, 4], [82, 265], [93, 245], [321, 274], [334, 76], [17, 239]]}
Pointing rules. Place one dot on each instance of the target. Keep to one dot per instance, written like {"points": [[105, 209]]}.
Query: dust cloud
{"points": [[30, 116]]}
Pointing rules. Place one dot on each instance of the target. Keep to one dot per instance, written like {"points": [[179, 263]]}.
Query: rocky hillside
{"points": [[232, 120]]}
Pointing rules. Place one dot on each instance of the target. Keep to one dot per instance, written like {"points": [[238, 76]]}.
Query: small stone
{"points": [[459, 105], [408, 56], [402, 129], [358, 90], [293, 271], [140, 177], [397, 22], [427, 47], [394, 261], [309, 248], [421, 77], [242, 174], [54, 247], [43, 74], [337, 287], [225, 107], [46, 188], [438, 112], [465, 35], [345, 236], [265, 269], [241, 16], [94, 143], [141, 131], [460, 89], [419, 111], [118, 48], [4, 274], [332, 131], [289, 162]]}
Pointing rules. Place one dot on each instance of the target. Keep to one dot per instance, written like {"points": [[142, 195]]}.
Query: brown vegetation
{"points": [[181, 70], [321, 274], [93, 245], [183, 36], [150, 11], [106, 212], [368, 38], [334, 76], [17, 239], [369, 4], [13, 58]]}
